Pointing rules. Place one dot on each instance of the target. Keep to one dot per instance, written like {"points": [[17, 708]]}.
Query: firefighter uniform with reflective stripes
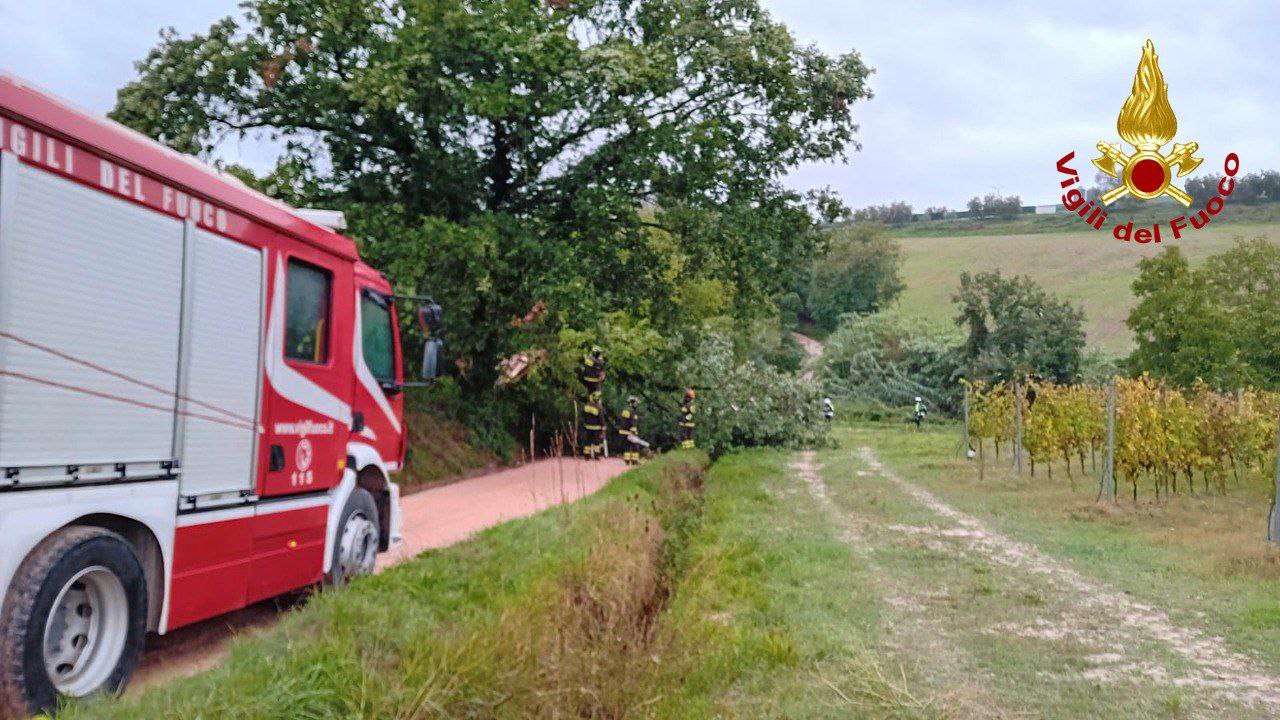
{"points": [[629, 427], [593, 425], [592, 372], [687, 410]]}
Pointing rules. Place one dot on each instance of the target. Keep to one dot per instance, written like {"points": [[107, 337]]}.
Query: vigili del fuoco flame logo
{"points": [[1147, 123]]}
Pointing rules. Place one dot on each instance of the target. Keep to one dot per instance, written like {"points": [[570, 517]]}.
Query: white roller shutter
{"points": [[90, 298], [220, 398]]}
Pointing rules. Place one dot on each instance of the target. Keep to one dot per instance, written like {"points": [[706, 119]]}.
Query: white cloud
{"points": [[991, 95], [967, 98]]}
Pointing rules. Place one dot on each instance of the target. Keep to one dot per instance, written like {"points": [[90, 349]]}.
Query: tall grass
{"points": [[676, 592], [553, 616]]}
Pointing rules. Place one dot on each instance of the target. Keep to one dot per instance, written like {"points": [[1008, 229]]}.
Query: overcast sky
{"points": [[967, 100]]}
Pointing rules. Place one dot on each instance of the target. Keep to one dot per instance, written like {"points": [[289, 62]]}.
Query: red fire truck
{"points": [[200, 399]]}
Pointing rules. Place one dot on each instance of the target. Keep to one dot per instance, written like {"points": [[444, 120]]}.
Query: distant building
{"points": [[1046, 209]]}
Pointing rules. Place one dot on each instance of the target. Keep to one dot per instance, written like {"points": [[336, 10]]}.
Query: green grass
{"points": [[440, 449], [1090, 269], [744, 591], [498, 626], [1203, 560], [787, 602], [669, 594]]}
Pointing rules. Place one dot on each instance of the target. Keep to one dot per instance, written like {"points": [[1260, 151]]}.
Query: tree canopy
{"points": [[858, 273], [1213, 323], [1016, 328], [597, 156]]}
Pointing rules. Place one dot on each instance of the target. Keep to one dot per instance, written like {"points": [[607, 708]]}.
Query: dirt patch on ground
{"points": [[1108, 622], [812, 348], [916, 631]]}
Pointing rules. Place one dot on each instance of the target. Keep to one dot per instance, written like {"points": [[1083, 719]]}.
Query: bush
{"points": [[995, 206], [1017, 328]]}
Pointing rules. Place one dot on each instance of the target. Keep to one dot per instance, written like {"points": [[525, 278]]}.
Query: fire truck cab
{"points": [[200, 399]]}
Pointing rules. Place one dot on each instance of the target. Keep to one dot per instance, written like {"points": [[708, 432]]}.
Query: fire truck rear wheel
{"points": [[355, 549], [74, 621]]}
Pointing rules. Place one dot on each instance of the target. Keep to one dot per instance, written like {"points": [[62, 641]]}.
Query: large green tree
{"points": [[858, 273], [595, 155], [1214, 323], [1016, 328]]}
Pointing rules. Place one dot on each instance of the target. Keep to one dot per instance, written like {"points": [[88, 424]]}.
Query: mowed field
{"points": [[1090, 269]]}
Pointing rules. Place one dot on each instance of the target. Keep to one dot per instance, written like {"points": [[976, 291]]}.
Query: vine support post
{"points": [[1108, 489], [966, 420], [1017, 427], [1273, 519]]}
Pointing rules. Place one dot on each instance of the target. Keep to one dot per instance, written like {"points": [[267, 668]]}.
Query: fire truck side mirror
{"points": [[431, 352], [430, 317]]}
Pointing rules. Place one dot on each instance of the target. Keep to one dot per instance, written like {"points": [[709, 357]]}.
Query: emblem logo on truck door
{"points": [[304, 454], [302, 474]]}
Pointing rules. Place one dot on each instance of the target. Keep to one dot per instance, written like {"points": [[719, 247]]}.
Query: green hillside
{"points": [[1091, 269]]}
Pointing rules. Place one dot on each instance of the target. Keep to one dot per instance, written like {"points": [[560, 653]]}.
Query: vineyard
{"points": [[1164, 438]]}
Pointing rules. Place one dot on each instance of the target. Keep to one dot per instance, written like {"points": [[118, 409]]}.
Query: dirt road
{"points": [[944, 576], [1096, 616], [433, 518], [812, 348]]}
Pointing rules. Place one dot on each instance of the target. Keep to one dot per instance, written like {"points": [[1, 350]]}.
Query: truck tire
{"points": [[355, 546], [74, 621]]}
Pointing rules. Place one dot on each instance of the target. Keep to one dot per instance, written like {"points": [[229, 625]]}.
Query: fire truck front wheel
{"points": [[356, 546], [74, 620]]}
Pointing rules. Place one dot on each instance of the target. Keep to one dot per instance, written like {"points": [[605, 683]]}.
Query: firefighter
{"points": [[592, 372], [920, 411], [629, 428], [593, 425], [687, 410]]}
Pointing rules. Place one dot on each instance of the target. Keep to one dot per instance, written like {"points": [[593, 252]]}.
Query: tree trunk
{"points": [[500, 166]]}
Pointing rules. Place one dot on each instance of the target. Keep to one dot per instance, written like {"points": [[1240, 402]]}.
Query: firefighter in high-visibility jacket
{"points": [[629, 428], [687, 410], [592, 372], [593, 427]]}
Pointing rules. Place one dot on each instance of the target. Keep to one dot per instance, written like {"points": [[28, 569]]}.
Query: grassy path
{"points": [[675, 592], [994, 625], [877, 579]]}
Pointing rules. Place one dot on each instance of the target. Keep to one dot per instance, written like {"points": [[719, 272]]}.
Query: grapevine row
{"points": [[1165, 437]]}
